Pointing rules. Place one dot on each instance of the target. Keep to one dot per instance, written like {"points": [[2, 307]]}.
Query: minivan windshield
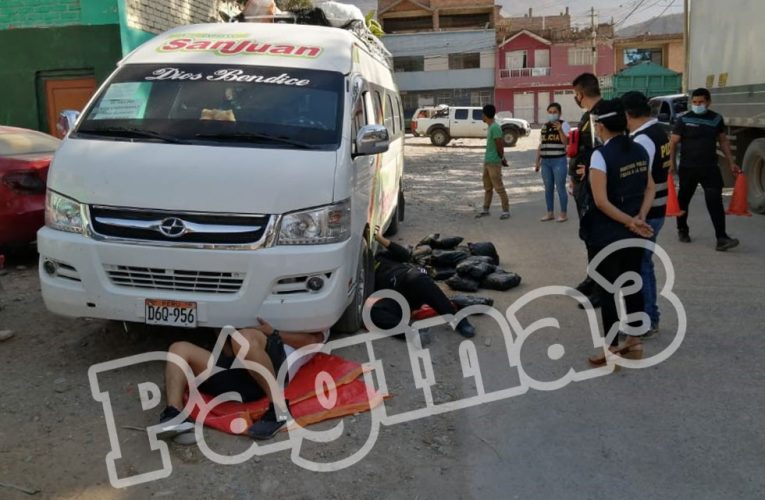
{"points": [[230, 105]]}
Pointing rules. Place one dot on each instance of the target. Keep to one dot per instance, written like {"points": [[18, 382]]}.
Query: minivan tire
{"points": [[351, 321], [440, 137], [510, 136], [754, 170]]}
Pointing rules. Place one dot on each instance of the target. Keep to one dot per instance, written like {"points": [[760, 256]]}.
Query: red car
{"points": [[25, 156]]}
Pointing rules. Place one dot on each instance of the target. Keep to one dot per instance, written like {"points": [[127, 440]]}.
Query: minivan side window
{"points": [[461, 114], [359, 117], [379, 115], [389, 122], [478, 114], [397, 115]]}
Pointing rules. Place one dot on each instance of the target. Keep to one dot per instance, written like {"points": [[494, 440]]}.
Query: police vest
{"points": [[552, 146], [659, 169], [626, 181]]}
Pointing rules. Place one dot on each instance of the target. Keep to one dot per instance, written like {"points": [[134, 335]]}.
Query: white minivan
{"points": [[225, 172]]}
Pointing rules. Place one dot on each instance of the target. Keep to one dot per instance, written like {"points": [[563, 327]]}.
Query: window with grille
{"points": [[470, 60]]}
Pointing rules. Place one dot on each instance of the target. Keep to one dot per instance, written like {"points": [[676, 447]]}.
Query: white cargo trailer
{"points": [[726, 53]]}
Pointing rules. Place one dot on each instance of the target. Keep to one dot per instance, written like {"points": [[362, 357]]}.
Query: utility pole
{"points": [[594, 42]]}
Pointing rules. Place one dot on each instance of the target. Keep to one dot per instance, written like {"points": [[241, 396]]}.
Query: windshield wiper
{"points": [[244, 136], [132, 132]]}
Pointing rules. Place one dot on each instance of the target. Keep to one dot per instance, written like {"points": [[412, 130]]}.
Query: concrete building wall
{"points": [[156, 16], [449, 79], [20, 14], [672, 47], [676, 56]]}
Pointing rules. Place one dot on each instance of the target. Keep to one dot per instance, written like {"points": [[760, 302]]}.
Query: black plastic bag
{"points": [[485, 248], [428, 240], [463, 301], [441, 273], [501, 281], [446, 242], [460, 284], [448, 258], [474, 270], [480, 258]]}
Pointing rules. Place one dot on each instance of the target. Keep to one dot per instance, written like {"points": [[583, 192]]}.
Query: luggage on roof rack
{"points": [[330, 14]]}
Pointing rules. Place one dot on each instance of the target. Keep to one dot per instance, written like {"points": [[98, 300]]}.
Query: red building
{"points": [[533, 71]]}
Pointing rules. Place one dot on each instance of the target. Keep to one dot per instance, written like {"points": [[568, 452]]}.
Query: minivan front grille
{"points": [[178, 227], [175, 280]]}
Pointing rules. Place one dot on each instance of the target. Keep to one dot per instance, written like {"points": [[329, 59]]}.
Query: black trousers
{"points": [[612, 267], [712, 182], [418, 289]]}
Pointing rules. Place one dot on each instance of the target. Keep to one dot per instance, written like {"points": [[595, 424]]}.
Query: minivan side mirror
{"points": [[664, 117], [67, 119], [372, 140]]}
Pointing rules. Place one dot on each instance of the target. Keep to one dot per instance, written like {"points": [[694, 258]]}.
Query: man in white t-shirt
{"points": [[266, 346]]}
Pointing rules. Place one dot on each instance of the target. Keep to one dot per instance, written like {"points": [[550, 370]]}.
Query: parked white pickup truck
{"points": [[467, 122]]}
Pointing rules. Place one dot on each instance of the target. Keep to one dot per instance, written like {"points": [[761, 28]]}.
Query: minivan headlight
{"points": [[63, 213], [316, 226]]}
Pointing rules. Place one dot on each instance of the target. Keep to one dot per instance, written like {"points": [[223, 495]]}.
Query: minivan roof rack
{"points": [[310, 17]]}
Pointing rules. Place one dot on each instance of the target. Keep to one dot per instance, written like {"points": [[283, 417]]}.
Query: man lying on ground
{"points": [[394, 270], [267, 346]]}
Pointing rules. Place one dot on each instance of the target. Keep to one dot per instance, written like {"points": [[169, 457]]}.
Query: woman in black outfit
{"points": [[621, 187]]}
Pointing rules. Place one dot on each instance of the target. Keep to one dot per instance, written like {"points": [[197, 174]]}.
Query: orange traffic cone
{"points": [[673, 206], [738, 203]]}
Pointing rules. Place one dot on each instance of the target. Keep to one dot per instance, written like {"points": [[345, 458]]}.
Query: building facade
{"points": [[444, 51], [56, 53], [533, 72], [666, 50], [454, 68]]}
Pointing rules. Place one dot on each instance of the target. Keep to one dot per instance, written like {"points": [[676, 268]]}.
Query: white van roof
{"points": [[259, 44]]}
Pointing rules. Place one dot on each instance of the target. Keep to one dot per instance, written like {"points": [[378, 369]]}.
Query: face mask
{"points": [[700, 109], [553, 117], [577, 100]]}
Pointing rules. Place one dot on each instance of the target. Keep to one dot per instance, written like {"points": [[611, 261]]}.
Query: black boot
{"points": [[268, 425], [596, 299], [587, 286], [466, 329]]}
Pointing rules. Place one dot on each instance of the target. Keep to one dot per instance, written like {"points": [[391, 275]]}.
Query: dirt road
{"points": [[689, 427]]}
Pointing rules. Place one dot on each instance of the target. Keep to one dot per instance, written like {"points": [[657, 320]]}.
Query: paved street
{"points": [[690, 427]]}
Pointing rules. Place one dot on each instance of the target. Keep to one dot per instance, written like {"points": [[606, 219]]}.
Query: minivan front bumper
{"points": [[109, 280]]}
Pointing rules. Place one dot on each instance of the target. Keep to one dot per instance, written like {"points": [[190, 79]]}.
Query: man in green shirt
{"points": [[493, 161]]}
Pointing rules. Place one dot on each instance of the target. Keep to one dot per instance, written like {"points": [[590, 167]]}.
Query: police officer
{"points": [[647, 132], [586, 95], [699, 131], [620, 189]]}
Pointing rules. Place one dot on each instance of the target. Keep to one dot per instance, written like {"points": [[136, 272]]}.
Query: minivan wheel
{"points": [[440, 137], [351, 321], [510, 136]]}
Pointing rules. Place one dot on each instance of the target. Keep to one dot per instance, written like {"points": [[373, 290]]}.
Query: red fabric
{"points": [[424, 312], [352, 397]]}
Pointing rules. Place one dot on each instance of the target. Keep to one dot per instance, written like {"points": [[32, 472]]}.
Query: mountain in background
{"points": [[665, 25]]}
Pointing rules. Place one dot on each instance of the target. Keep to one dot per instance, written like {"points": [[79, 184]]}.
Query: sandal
{"points": [[546, 218], [562, 218], [631, 351]]}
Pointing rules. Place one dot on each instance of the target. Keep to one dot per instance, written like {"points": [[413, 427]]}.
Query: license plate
{"points": [[171, 313]]}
